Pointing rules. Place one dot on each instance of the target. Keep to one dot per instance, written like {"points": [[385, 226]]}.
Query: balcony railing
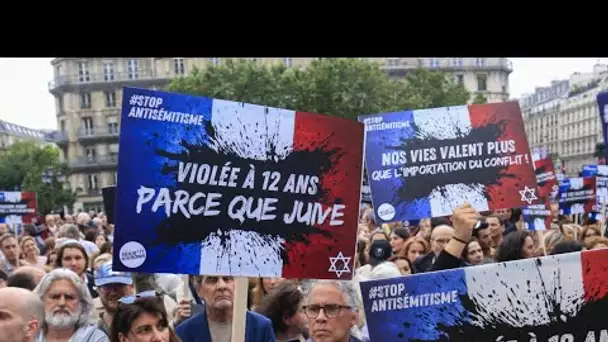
{"points": [[97, 132], [83, 162], [95, 78], [453, 63]]}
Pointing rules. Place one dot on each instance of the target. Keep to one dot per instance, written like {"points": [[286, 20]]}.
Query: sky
{"points": [[25, 99]]}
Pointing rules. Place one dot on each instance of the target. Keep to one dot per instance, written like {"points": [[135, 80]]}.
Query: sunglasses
{"points": [[128, 300]]}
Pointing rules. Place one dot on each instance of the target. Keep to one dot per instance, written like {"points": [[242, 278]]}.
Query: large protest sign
{"points": [[208, 186], [17, 207], [577, 195], [549, 299], [600, 172], [424, 163]]}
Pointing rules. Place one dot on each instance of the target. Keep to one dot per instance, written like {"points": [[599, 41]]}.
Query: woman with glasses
{"points": [[142, 318]]}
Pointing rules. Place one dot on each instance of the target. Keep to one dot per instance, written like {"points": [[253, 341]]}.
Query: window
{"points": [[457, 62], [113, 125], [215, 61], [459, 79], [108, 71], [113, 152], [133, 69], [114, 178], [178, 66], [90, 153], [482, 82], [87, 125], [85, 100], [110, 99], [62, 126], [287, 61], [60, 103], [392, 62], [93, 183], [481, 62], [83, 72], [434, 62], [58, 70]]}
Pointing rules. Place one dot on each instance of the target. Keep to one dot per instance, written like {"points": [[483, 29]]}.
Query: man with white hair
{"points": [[21, 315], [67, 305], [332, 309]]}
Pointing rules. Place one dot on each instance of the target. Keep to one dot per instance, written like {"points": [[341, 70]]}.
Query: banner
{"points": [[545, 176], [215, 187], [577, 196], [600, 172], [425, 163], [17, 208], [551, 299], [537, 217]]}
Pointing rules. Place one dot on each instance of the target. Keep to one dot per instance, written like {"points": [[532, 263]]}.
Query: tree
{"points": [[335, 86], [23, 167], [480, 99], [600, 153]]}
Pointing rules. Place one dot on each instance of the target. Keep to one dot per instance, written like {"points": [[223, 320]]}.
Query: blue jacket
{"points": [[258, 328]]}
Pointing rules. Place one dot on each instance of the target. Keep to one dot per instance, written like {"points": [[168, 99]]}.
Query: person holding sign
{"points": [[214, 324]]}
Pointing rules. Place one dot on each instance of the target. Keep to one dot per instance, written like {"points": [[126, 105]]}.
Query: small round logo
{"points": [[132, 254], [386, 211]]}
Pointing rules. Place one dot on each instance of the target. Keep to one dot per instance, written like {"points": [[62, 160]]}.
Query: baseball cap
{"points": [[104, 275], [379, 251]]}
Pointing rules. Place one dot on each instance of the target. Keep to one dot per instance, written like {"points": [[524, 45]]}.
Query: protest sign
{"points": [[550, 299], [577, 196], [425, 163], [537, 217], [215, 187], [600, 172], [17, 207], [545, 175], [602, 103]]}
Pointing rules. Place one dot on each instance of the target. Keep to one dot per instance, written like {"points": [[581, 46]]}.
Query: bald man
{"points": [[21, 315], [37, 273], [440, 236]]}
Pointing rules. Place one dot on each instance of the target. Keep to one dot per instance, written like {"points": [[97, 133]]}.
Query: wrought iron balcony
{"points": [[97, 161], [97, 132], [100, 78]]}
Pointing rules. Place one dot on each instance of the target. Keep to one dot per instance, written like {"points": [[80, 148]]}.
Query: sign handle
{"points": [[239, 312]]}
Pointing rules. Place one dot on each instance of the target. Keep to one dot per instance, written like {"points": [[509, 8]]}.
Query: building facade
{"points": [[567, 122], [88, 97]]}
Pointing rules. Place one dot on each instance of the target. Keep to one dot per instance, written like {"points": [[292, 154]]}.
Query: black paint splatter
{"points": [[210, 148], [425, 184]]}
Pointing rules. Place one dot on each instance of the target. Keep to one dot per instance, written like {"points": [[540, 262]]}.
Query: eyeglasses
{"points": [[128, 300], [330, 310]]}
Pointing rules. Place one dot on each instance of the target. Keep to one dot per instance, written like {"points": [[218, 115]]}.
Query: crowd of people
{"points": [[57, 281]]}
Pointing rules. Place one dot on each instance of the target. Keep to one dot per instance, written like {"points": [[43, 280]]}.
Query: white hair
{"points": [[84, 297]]}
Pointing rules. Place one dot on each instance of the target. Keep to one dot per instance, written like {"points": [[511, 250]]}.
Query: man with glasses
{"points": [[214, 324], [112, 286], [440, 236], [332, 309]]}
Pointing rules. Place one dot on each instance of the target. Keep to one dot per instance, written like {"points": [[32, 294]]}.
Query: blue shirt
{"points": [[258, 328]]}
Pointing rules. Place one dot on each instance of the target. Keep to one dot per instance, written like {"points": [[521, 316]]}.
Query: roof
{"points": [[20, 131]]}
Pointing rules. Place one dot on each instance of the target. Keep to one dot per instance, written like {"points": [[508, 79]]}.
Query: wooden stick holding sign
{"points": [[239, 311], [603, 220]]}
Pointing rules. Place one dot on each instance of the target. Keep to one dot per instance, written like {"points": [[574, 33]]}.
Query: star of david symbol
{"points": [[528, 195], [339, 270]]}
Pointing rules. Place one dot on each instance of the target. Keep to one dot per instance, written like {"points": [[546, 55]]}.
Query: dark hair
{"points": [[500, 221], [567, 247], [510, 248], [376, 232], [402, 233], [22, 280], [402, 257], [127, 314], [76, 245], [361, 244], [3, 275], [282, 302], [106, 247]]}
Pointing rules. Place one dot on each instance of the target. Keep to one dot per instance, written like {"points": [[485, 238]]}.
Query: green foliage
{"points": [[600, 150], [480, 99], [22, 167], [341, 87]]}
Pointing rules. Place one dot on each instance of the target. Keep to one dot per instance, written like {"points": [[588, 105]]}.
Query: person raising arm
{"points": [[464, 218]]}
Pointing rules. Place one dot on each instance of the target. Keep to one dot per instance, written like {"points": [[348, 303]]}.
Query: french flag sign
{"points": [[555, 298], [424, 163], [215, 187]]}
